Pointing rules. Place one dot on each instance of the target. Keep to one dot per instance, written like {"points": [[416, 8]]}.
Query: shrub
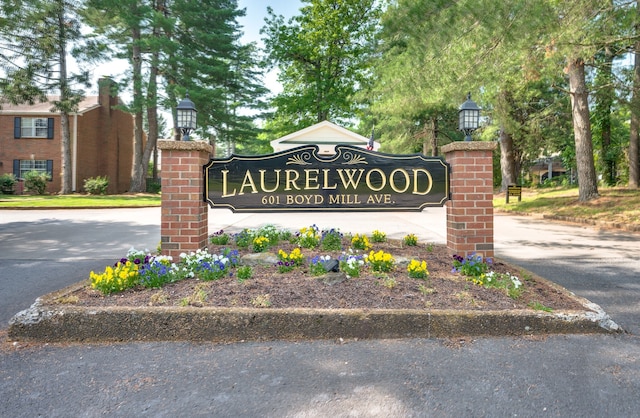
{"points": [[7, 182], [36, 181], [96, 185]]}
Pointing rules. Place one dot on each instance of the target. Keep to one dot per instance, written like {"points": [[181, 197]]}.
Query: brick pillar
{"points": [[470, 210], [184, 223]]}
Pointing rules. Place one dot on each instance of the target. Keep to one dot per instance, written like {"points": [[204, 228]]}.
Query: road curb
{"points": [[48, 321]]}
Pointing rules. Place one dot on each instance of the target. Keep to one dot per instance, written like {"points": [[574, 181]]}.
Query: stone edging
{"points": [[48, 321]]}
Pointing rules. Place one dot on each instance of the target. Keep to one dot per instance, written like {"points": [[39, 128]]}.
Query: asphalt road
{"points": [[575, 375]]}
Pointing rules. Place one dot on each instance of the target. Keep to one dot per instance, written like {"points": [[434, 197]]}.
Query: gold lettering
{"points": [[262, 185], [248, 181], [349, 180], [383, 180], [325, 182], [392, 182], [309, 179], [334, 199], [290, 181], [415, 181], [225, 192]]}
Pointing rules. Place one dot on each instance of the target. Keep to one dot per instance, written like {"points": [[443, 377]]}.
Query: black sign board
{"points": [[353, 179]]}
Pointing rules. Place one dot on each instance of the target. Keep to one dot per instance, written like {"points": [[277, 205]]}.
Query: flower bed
{"points": [[319, 268]]}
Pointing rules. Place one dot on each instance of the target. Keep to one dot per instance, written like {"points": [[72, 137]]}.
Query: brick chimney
{"points": [[107, 92]]}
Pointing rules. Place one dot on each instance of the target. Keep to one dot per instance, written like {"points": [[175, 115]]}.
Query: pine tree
{"points": [[38, 36]]}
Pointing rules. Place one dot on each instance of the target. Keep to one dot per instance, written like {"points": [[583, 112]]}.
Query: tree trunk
{"points": [[587, 181], [65, 143], [507, 161], [434, 137], [137, 172], [634, 152]]}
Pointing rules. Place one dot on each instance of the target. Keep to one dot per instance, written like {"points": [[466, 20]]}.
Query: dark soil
{"points": [[299, 289]]}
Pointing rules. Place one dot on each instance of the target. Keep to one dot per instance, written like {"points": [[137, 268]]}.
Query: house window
{"points": [[33, 128], [22, 167]]}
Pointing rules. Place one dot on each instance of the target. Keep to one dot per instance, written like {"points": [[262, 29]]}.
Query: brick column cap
{"points": [[185, 146], [469, 146]]}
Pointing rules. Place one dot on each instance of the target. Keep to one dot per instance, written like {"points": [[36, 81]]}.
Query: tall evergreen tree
{"points": [[39, 36]]}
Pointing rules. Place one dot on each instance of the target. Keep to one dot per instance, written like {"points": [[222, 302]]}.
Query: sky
{"points": [[253, 21]]}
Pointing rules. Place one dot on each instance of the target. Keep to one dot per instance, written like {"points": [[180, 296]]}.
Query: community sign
{"points": [[354, 179]]}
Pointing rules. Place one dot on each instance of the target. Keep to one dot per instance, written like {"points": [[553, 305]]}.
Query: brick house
{"points": [[101, 141]]}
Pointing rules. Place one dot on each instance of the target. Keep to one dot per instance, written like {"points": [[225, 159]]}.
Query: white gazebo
{"points": [[326, 136]]}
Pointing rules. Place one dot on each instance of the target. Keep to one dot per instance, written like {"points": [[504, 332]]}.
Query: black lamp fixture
{"points": [[186, 117], [468, 117]]}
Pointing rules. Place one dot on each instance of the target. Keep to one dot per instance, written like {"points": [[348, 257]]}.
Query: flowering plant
{"points": [[410, 240], [220, 238], [309, 237], [317, 265], [115, 279], [418, 269], [360, 242], [507, 281], [289, 261], [260, 244], [351, 263], [157, 272], [206, 266], [378, 236], [380, 261], [331, 240], [472, 265]]}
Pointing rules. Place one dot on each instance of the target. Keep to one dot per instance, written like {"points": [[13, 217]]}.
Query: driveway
{"points": [[574, 375]]}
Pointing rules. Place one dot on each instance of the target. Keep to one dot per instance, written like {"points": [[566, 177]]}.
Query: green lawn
{"points": [[78, 201], [618, 205]]}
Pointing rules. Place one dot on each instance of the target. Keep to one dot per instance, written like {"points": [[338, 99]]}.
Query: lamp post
{"points": [[186, 117], [468, 117]]}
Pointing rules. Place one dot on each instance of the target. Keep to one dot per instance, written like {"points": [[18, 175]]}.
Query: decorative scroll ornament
{"points": [[299, 159], [353, 159]]}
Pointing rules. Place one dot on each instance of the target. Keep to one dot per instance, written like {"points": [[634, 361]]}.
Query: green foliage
{"points": [[36, 181], [418, 269], [380, 261], [473, 265], [219, 238], [360, 242], [323, 55], [309, 237], [7, 183], [331, 240], [244, 273], [96, 185], [260, 244], [410, 240], [378, 236]]}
